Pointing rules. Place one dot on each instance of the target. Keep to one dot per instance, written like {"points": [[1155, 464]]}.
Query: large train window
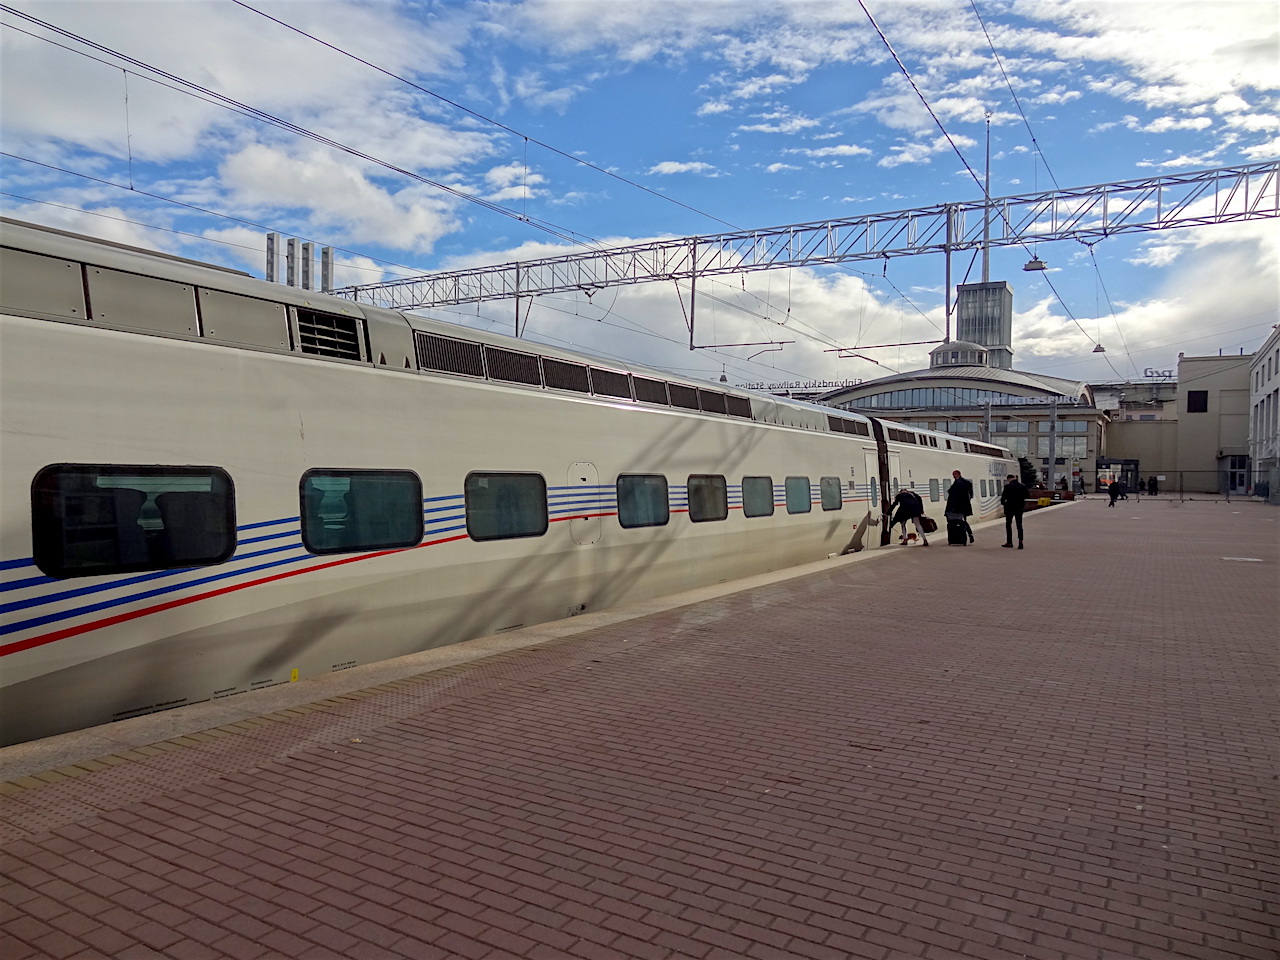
{"points": [[799, 497], [93, 519], [757, 496], [642, 500], [831, 496], [708, 498], [503, 506], [347, 511]]}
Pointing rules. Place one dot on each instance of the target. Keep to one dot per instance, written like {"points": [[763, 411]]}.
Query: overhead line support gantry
{"points": [[1196, 198]]}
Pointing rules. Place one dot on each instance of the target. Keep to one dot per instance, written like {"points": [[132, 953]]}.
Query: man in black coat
{"points": [[1014, 499], [960, 502]]}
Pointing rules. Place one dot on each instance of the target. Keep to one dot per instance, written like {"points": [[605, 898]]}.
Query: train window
{"points": [[757, 496], [935, 490], [831, 498], [94, 519], [708, 498], [346, 511], [799, 497], [642, 500], [502, 506]]}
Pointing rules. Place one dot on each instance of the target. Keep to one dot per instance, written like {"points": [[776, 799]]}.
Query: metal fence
{"points": [[1204, 485]]}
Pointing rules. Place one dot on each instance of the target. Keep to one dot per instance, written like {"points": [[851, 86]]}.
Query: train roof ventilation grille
{"points": [[712, 402], [610, 383], [449, 356], [682, 396], [513, 367], [566, 376], [650, 391], [738, 406], [329, 335]]}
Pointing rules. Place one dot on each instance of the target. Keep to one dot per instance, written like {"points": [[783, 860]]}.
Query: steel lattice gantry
{"points": [[1196, 198]]}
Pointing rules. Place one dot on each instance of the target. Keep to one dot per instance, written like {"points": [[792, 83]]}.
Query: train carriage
{"points": [[213, 484]]}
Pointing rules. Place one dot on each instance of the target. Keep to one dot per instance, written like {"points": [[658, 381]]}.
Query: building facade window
{"points": [[1197, 401]]}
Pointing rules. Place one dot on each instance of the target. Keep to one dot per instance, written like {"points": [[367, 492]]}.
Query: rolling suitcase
{"points": [[956, 534]]}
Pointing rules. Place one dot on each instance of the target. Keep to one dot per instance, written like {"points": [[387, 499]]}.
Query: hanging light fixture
{"points": [[1035, 263], [723, 376], [1099, 348]]}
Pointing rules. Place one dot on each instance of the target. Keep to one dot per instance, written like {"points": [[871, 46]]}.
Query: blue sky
{"points": [[753, 114]]}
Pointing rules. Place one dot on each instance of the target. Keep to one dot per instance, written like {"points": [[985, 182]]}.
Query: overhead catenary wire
{"points": [[480, 116], [190, 206], [562, 233], [968, 169]]}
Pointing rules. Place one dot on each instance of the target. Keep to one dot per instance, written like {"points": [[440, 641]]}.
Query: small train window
{"points": [[642, 500], [708, 498], [757, 496], [799, 496], [935, 490], [503, 506], [347, 511], [831, 497], [94, 519]]}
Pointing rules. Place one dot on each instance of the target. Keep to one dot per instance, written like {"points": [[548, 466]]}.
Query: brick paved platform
{"points": [[1064, 752]]}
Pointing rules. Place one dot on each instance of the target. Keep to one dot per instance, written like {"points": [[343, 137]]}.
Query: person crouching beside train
{"points": [[908, 506], [1014, 499]]}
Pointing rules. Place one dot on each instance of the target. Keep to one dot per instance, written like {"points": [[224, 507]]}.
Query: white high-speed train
{"points": [[213, 484]]}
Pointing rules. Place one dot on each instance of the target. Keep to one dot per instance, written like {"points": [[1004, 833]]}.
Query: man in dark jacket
{"points": [[960, 502], [909, 506], [1014, 499]]}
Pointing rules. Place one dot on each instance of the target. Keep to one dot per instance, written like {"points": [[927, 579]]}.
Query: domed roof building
{"points": [[961, 392]]}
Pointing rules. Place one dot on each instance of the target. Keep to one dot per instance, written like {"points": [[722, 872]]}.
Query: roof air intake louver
{"points": [[565, 376], [329, 335], [449, 356], [650, 391], [513, 367], [610, 383], [682, 396]]}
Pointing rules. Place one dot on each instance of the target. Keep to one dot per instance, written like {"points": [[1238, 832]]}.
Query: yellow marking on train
{"points": [[293, 677]]}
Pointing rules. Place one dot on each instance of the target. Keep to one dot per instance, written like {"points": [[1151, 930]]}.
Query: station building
{"points": [[961, 393], [1264, 418]]}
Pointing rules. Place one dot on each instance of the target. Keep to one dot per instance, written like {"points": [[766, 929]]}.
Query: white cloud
{"points": [[712, 107], [921, 152], [1165, 124], [843, 150], [779, 167], [1263, 151], [668, 167], [338, 194], [785, 123]]}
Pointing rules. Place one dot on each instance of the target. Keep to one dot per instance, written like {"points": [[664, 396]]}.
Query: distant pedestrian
{"points": [[1124, 491], [960, 505], [908, 506], [1153, 486], [1142, 486], [1113, 491], [1014, 499]]}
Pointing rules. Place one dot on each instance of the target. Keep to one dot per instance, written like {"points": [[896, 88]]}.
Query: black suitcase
{"points": [[956, 533]]}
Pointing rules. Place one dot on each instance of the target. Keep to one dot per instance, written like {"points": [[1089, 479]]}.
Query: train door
{"points": [[584, 481], [895, 474], [873, 478]]}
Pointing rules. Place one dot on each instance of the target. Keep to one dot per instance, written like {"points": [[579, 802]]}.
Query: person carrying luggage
{"points": [[959, 510]]}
